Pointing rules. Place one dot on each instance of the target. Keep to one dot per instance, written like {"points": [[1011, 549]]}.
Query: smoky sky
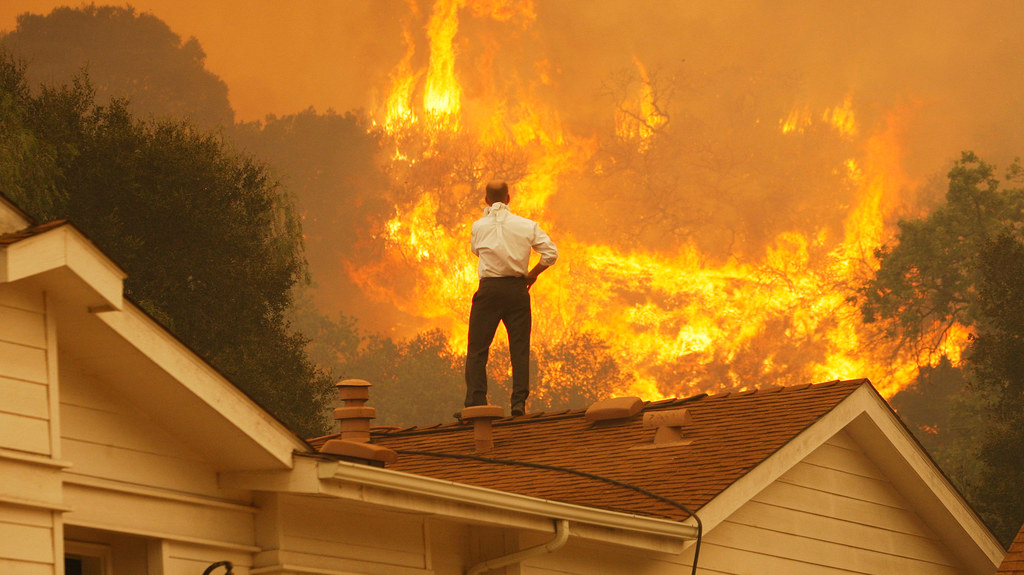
{"points": [[958, 65], [934, 78]]}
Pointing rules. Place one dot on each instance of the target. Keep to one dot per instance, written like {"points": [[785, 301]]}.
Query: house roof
{"points": [[1013, 563], [17, 236], [729, 435], [130, 352]]}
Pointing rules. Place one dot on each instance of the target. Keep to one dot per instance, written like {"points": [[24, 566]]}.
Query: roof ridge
{"points": [[386, 431]]}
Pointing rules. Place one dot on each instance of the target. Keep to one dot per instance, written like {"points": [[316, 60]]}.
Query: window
{"points": [[82, 558]]}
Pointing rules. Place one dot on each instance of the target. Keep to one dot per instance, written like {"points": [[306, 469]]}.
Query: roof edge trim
{"points": [[202, 380], [453, 492], [64, 246]]}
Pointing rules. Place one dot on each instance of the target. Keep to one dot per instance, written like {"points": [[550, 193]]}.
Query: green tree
{"points": [[958, 266], [27, 165], [947, 416], [417, 381], [210, 242], [576, 371], [997, 360], [127, 55], [329, 162], [927, 281]]}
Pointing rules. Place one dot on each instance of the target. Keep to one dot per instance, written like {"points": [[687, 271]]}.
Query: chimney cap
{"points": [[353, 383], [483, 412]]}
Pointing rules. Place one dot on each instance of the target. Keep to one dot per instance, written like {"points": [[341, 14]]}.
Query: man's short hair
{"points": [[497, 191]]}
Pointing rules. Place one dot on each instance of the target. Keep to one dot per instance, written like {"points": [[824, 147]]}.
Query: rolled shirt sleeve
{"points": [[543, 245]]}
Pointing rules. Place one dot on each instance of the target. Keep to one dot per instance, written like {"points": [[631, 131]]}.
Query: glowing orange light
{"points": [[653, 309]]}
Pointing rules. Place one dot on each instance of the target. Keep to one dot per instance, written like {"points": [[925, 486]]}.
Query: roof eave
{"points": [[866, 416], [85, 289], [467, 503]]}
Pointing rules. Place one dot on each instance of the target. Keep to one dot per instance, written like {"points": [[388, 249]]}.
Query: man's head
{"points": [[497, 191]]}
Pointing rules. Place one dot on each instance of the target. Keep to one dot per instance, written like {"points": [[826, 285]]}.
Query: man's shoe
{"points": [[518, 410]]}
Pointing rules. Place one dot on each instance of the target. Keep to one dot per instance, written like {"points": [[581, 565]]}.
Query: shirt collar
{"points": [[494, 208]]}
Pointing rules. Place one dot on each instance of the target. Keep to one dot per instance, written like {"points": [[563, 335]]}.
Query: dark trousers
{"points": [[504, 300]]}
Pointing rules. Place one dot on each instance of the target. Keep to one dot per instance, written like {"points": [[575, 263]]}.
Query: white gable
{"points": [[834, 511]]}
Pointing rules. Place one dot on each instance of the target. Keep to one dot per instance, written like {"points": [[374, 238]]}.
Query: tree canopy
{"points": [[927, 281], [210, 242], [127, 55], [997, 362], [963, 264]]}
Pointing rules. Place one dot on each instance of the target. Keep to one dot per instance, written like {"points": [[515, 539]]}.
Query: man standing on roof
{"points": [[503, 241]]}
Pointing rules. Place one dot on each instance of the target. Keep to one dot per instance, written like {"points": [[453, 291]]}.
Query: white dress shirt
{"points": [[503, 240]]}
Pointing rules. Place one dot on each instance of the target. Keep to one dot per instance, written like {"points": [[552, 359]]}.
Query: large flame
{"points": [[677, 322]]}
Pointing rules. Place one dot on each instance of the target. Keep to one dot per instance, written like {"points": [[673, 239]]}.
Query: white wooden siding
{"points": [[834, 512], [449, 543], [110, 439], [26, 540], [24, 373], [323, 534], [185, 559], [131, 476], [29, 478]]}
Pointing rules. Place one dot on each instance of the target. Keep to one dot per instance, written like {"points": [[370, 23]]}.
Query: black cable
{"points": [[587, 474], [226, 564]]}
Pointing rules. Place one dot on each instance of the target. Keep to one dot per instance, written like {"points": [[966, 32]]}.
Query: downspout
{"points": [[561, 536]]}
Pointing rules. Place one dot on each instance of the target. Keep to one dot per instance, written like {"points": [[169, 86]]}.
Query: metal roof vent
{"points": [[614, 408], [669, 425], [481, 416], [354, 420]]}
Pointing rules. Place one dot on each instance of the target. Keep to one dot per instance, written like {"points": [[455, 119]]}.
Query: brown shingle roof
{"points": [[730, 435], [13, 237], [1013, 563]]}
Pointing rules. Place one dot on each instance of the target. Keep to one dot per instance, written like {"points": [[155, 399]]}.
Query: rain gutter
{"points": [[459, 493]]}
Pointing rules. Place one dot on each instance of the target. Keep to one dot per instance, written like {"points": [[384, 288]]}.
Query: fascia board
{"points": [[65, 247], [394, 488], [363, 484], [204, 382]]}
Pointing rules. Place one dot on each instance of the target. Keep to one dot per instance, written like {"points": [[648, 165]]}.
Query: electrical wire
{"points": [[225, 564], [587, 474]]}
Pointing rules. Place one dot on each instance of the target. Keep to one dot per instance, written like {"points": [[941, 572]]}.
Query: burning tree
{"points": [[700, 251]]}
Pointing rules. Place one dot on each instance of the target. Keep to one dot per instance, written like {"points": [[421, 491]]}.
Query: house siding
{"points": [[25, 384], [30, 477], [132, 477], [342, 538], [834, 512]]}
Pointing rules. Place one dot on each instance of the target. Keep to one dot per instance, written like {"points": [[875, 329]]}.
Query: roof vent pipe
{"points": [[354, 416], [481, 416], [561, 537], [354, 420], [669, 425]]}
